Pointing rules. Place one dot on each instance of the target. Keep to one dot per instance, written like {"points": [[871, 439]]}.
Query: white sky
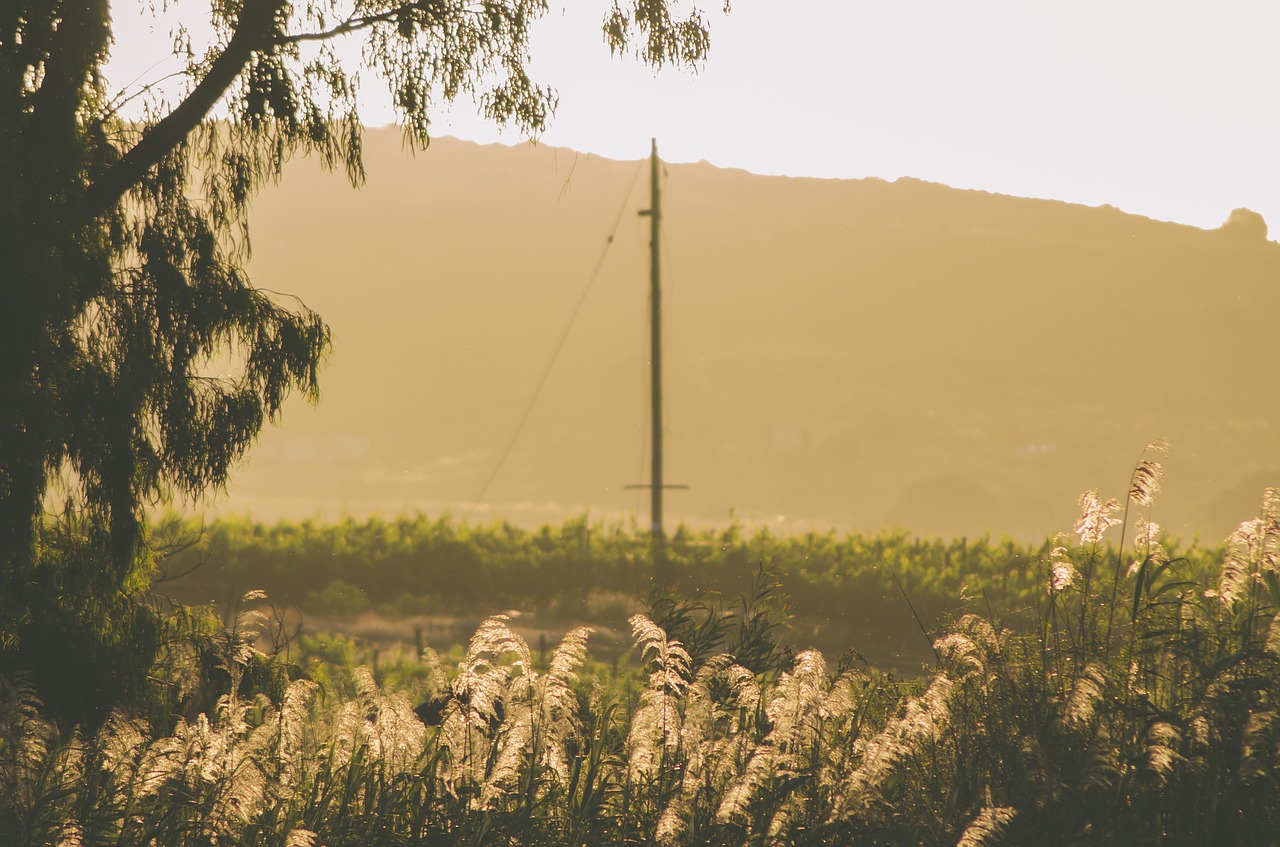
{"points": [[1166, 108]]}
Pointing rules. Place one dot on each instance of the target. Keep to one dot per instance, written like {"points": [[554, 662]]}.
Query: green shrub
{"points": [[339, 599]]}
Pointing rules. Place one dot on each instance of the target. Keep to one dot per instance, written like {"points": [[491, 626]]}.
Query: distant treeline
{"points": [[839, 585]]}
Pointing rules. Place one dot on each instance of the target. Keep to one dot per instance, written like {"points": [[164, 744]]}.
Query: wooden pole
{"points": [[655, 359]]}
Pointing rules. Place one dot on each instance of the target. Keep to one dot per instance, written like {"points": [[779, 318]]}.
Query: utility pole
{"points": [[655, 352], [656, 483]]}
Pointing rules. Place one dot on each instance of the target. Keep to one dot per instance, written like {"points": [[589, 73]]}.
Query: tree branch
{"points": [[253, 32], [347, 26], [356, 24]]}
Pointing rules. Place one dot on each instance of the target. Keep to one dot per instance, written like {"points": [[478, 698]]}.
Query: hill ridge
{"points": [[840, 352]]}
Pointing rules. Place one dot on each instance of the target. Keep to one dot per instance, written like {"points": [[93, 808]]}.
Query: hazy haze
{"points": [[853, 353]]}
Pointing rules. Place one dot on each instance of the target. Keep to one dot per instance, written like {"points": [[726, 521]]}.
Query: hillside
{"points": [[854, 353]]}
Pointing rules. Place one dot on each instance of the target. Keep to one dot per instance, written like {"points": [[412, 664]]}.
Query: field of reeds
{"points": [[1131, 700]]}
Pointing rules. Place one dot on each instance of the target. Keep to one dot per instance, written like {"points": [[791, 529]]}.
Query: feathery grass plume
{"points": [[966, 648], [1096, 517], [1062, 571], [121, 740], [1272, 642], [512, 746], [1257, 745], [41, 772], [1145, 482], [1239, 568], [161, 762], [1253, 554], [1143, 486], [797, 700], [25, 741], [70, 834], [745, 687], [700, 712], [1271, 508], [122, 769], [1162, 749], [238, 649], [923, 718], [1085, 695], [300, 838], [796, 711], [350, 724], [541, 721], [1102, 767], [437, 680], [706, 710], [249, 625], [989, 822], [393, 732], [1271, 531], [781, 820], [844, 701], [1146, 545], [559, 724], [656, 723], [480, 690], [1146, 534], [238, 782], [646, 739], [715, 737], [213, 762], [1039, 771], [670, 661], [764, 764], [69, 773], [1199, 751], [853, 697], [672, 822], [1202, 734], [292, 723], [483, 677]]}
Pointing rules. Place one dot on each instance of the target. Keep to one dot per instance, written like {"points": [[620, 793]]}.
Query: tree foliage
{"points": [[123, 236]]}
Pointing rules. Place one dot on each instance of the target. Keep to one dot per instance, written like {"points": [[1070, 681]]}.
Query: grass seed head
{"points": [[923, 718], [1162, 749], [989, 823], [1239, 568], [1144, 485], [1062, 571], [671, 824], [300, 838], [1096, 517], [1086, 693]]}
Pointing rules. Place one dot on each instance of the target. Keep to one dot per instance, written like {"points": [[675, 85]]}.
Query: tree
{"points": [[123, 243]]}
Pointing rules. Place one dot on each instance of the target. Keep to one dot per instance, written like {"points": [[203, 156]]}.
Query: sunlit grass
{"points": [[1126, 704]]}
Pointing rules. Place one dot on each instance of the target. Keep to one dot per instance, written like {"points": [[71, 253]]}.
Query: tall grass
{"points": [[1128, 704]]}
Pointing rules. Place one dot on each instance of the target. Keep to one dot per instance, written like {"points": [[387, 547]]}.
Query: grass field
{"points": [[1123, 703]]}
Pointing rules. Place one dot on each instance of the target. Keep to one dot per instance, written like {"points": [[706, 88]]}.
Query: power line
{"points": [[564, 335]]}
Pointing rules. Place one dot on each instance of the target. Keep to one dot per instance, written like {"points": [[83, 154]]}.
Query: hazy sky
{"points": [[1166, 108]]}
